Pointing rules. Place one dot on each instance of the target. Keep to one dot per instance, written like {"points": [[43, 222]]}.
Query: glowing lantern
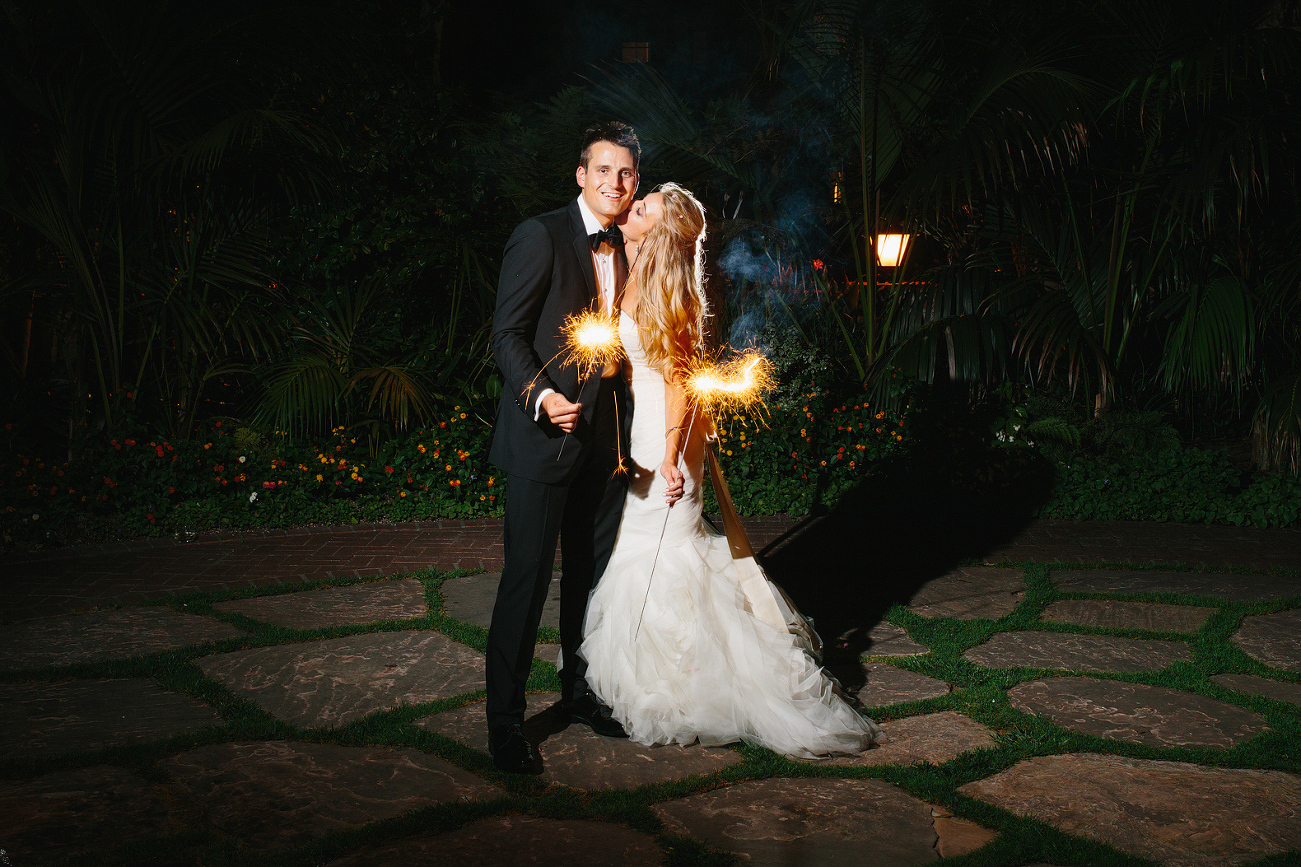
{"points": [[890, 249]]}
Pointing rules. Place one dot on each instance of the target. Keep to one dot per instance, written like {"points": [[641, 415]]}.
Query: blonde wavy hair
{"points": [[670, 270]]}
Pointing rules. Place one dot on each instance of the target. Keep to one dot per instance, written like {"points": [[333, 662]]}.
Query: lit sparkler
{"points": [[591, 340], [732, 385]]}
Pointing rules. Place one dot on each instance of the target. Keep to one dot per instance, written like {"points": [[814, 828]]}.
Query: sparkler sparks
{"points": [[732, 385], [591, 340]]}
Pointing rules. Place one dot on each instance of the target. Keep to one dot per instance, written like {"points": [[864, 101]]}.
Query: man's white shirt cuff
{"points": [[537, 406]]}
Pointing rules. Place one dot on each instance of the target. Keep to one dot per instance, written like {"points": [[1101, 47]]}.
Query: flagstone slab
{"points": [[1117, 614], [399, 599], [958, 836], [971, 592], [102, 635], [1180, 815], [932, 737], [886, 639], [884, 684], [574, 756], [1274, 639], [1214, 585], [470, 600], [272, 794], [64, 814], [336, 681], [1252, 685], [40, 719], [1154, 715], [1071, 652], [809, 821], [519, 840]]}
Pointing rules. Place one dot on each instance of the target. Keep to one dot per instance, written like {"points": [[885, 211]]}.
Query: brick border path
{"points": [[75, 579]]}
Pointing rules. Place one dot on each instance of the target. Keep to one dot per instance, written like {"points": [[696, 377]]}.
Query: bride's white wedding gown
{"points": [[686, 642]]}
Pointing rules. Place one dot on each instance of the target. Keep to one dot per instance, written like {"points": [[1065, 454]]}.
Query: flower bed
{"points": [[790, 458], [232, 477]]}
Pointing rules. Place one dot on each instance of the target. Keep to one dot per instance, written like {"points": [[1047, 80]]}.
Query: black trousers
{"points": [[584, 515]]}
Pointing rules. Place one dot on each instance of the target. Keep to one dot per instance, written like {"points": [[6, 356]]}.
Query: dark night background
{"points": [[286, 219]]}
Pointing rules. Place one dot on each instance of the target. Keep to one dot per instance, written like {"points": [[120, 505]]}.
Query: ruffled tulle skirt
{"points": [[686, 641]]}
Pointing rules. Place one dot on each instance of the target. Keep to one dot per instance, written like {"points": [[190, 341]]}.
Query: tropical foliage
{"points": [[145, 153], [1105, 195], [274, 218]]}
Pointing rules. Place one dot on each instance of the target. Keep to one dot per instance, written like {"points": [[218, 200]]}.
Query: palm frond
{"points": [[302, 394], [1276, 427], [1212, 335], [396, 391]]}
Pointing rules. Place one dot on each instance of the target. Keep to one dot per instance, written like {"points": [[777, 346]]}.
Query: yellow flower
{"points": [[320, 478], [402, 493]]}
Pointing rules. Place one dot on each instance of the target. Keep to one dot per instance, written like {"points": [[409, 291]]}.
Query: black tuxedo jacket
{"points": [[546, 275]]}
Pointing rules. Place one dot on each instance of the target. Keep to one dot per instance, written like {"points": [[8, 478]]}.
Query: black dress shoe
{"points": [[596, 716], [511, 751]]}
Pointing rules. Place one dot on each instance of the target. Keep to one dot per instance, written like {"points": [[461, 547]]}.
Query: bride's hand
{"points": [[677, 482]]}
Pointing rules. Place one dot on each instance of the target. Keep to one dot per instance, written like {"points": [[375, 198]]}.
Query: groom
{"points": [[557, 437]]}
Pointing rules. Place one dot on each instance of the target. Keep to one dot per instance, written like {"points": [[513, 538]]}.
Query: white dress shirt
{"points": [[603, 264]]}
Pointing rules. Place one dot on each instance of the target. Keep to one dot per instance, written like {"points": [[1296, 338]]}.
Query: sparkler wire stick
{"points": [[735, 384], [686, 438]]}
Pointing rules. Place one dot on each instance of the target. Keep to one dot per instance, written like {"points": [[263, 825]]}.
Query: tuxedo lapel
{"points": [[582, 251]]}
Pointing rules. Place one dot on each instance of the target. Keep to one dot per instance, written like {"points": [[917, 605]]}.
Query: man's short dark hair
{"points": [[615, 133]]}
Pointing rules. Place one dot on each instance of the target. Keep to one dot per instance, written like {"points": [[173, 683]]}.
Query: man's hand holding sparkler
{"points": [[561, 412]]}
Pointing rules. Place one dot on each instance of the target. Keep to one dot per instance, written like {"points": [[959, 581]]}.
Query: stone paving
{"points": [[336, 606], [1073, 652], [103, 635], [1120, 614], [41, 719], [337, 681], [1137, 712], [1177, 814], [306, 785], [244, 787]]}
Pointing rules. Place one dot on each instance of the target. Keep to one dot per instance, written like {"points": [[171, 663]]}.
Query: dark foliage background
{"points": [[271, 231]]}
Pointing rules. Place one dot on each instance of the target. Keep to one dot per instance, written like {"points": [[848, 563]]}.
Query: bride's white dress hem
{"points": [[687, 643]]}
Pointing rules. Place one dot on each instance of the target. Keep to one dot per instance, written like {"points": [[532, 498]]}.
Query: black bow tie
{"points": [[611, 236]]}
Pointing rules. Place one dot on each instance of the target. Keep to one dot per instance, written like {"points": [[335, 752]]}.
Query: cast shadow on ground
{"points": [[895, 531]]}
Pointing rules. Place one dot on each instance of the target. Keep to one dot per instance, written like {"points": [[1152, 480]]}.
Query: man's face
{"points": [[609, 181]]}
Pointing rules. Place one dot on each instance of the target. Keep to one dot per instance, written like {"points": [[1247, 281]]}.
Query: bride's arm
{"points": [[679, 421]]}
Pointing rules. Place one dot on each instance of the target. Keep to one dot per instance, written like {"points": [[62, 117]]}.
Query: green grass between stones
{"points": [[978, 693]]}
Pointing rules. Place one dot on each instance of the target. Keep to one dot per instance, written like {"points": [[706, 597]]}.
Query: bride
{"points": [[684, 640]]}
